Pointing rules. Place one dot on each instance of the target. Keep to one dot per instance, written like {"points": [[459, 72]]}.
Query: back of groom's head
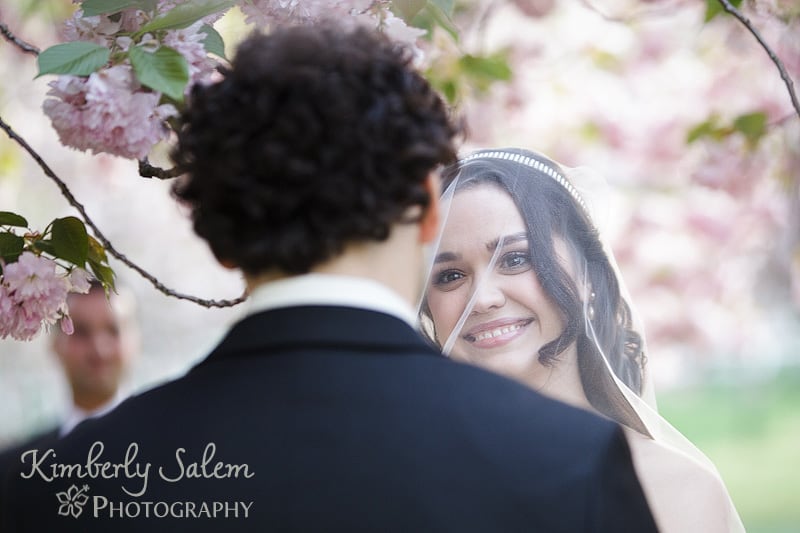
{"points": [[316, 137]]}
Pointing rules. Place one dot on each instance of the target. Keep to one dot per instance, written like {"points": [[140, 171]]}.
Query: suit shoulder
{"points": [[489, 404], [499, 395], [43, 439]]}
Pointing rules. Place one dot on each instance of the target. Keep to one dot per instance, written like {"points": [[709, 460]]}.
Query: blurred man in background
{"points": [[94, 359]]}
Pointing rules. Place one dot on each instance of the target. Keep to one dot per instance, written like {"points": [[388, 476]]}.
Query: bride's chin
{"points": [[507, 363]]}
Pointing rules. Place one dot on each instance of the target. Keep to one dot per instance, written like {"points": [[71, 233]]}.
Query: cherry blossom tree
{"points": [[686, 106], [689, 111], [123, 71]]}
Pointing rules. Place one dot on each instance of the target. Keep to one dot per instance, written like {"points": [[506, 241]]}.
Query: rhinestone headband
{"points": [[532, 163]]}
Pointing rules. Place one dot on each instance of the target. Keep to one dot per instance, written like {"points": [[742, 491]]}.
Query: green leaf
{"points": [[704, 129], [103, 273], [213, 42], [710, 128], [70, 240], [78, 58], [96, 251], [45, 246], [11, 246], [8, 218], [408, 9], [436, 15], [714, 8], [450, 91], [591, 131], [605, 60], [446, 6], [186, 14], [164, 70], [486, 68], [752, 125], [100, 7]]}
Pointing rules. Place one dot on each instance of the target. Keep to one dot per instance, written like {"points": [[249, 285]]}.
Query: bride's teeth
{"points": [[496, 332]]}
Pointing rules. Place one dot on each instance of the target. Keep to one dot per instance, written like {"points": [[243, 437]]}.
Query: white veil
{"points": [[522, 282]]}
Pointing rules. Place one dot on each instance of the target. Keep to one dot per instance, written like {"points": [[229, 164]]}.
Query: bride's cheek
{"points": [[443, 315]]}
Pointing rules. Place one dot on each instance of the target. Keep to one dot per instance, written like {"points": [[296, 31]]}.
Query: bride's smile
{"points": [[497, 332]]}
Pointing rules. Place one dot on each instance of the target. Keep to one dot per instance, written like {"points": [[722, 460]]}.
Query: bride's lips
{"points": [[497, 332]]}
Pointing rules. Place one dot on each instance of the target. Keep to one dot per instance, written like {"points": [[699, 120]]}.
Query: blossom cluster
{"points": [[112, 111], [370, 13], [270, 13], [34, 294], [107, 112], [703, 214]]}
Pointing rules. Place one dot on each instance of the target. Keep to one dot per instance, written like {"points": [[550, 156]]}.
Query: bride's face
{"points": [[510, 317]]}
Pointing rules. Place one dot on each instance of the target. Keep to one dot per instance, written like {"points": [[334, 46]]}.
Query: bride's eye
{"points": [[515, 262], [447, 279]]}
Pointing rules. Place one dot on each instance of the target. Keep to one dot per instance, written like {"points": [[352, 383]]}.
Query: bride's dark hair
{"points": [[553, 208]]}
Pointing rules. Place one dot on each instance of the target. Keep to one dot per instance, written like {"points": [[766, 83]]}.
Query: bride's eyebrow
{"points": [[444, 257], [507, 240]]}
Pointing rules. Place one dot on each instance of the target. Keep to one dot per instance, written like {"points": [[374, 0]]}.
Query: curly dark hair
{"points": [[549, 210], [316, 137]]}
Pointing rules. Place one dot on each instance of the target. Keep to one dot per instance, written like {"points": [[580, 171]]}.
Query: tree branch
{"points": [[727, 6], [665, 9], [146, 170], [22, 45], [102, 238]]}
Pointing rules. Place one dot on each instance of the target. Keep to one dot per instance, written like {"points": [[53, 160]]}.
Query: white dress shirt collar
{"points": [[330, 289], [76, 415]]}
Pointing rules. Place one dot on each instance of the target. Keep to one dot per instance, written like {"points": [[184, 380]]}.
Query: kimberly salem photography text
{"points": [[102, 507], [133, 475], [86, 484]]}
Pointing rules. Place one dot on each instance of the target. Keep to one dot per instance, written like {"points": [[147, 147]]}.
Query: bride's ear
{"points": [[429, 223]]}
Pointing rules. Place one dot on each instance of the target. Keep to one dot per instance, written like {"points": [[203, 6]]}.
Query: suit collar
{"points": [[326, 327], [317, 289]]}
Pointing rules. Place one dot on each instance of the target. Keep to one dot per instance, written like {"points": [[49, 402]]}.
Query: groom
{"points": [[311, 167]]}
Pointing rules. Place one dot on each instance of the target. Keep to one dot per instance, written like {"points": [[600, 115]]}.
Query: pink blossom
{"points": [[713, 228], [79, 281], [132, 19], [8, 313], [80, 28], [271, 12], [274, 12], [399, 31], [189, 43], [535, 8], [368, 13], [98, 29], [107, 112], [32, 294], [730, 166], [66, 325], [30, 276]]}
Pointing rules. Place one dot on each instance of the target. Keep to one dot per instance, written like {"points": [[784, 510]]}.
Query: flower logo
{"points": [[72, 501]]}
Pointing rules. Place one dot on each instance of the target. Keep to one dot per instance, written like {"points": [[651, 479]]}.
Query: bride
{"points": [[522, 284]]}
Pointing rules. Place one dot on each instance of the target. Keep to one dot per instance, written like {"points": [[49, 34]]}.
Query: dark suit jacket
{"points": [[10, 458], [334, 419]]}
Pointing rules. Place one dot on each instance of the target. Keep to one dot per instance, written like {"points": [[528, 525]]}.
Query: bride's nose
{"points": [[489, 295]]}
